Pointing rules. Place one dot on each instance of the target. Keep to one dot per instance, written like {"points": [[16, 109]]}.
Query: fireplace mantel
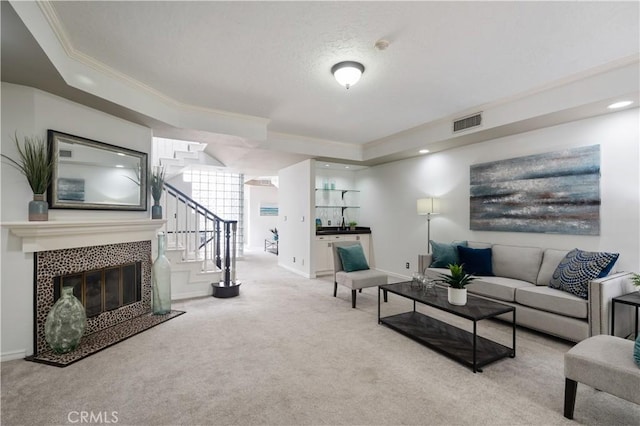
{"points": [[59, 234]]}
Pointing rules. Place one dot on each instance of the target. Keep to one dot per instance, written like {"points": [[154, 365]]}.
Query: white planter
{"points": [[457, 296]]}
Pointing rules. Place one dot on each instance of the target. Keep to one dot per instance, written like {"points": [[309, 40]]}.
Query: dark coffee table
{"points": [[465, 347]]}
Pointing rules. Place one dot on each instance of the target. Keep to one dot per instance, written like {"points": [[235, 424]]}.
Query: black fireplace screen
{"points": [[103, 290]]}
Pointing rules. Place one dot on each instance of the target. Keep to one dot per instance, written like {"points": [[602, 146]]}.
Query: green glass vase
{"points": [[161, 279], [65, 323]]}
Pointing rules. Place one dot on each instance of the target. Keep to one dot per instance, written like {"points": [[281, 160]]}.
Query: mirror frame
{"points": [[54, 137]]}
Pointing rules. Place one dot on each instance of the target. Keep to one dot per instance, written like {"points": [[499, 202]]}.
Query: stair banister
{"points": [[223, 250]]}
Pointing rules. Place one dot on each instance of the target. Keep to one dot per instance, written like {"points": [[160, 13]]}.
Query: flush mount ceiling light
{"points": [[424, 151], [347, 73]]}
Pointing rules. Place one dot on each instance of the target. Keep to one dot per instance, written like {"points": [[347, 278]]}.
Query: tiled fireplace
{"points": [[69, 264], [78, 252]]}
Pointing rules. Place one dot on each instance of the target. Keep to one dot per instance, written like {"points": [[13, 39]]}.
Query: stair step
{"points": [[184, 155]]}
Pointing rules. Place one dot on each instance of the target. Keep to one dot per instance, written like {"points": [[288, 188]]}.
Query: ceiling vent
{"points": [[468, 122], [65, 153]]}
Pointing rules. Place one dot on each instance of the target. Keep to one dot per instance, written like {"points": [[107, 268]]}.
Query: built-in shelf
{"points": [[60, 234]]}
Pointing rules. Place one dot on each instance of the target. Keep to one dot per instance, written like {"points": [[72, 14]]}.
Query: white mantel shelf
{"points": [[60, 234]]}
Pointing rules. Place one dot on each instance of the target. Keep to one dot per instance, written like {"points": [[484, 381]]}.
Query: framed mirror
{"points": [[88, 174]]}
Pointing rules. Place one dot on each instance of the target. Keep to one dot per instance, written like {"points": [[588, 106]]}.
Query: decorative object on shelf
{"points": [[352, 225], [456, 292], [318, 223], [65, 323], [427, 207], [36, 165], [274, 231], [635, 279], [161, 279], [156, 185], [347, 73]]}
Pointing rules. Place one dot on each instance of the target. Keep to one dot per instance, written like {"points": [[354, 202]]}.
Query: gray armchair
{"points": [[355, 280]]}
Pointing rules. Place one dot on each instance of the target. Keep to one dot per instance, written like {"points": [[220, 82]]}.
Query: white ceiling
{"points": [[268, 64]]}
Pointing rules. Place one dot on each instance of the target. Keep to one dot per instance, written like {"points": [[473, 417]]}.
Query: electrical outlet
{"points": [[406, 265]]}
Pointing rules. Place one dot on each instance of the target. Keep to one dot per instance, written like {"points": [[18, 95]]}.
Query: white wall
{"points": [[31, 112], [296, 223], [257, 227], [389, 193]]}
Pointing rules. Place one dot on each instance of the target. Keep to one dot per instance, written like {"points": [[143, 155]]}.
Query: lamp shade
{"points": [[427, 206], [347, 73]]}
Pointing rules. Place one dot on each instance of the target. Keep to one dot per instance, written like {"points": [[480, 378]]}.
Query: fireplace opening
{"points": [[103, 290]]}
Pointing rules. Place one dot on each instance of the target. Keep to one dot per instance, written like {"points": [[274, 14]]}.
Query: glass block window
{"points": [[222, 193]]}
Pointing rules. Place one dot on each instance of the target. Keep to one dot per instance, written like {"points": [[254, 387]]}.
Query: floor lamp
{"points": [[427, 207]]}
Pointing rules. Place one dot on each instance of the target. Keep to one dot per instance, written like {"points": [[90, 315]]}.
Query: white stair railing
{"points": [[200, 233]]}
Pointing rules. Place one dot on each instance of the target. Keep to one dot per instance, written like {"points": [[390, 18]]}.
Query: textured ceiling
{"points": [[272, 60]]}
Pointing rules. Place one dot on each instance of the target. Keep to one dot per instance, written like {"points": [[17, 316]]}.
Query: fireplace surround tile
{"points": [[49, 264]]}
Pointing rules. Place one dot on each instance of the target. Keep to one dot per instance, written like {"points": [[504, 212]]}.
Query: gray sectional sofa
{"points": [[521, 278]]}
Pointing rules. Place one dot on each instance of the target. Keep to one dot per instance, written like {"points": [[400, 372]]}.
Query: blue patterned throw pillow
{"points": [[636, 351], [578, 268]]}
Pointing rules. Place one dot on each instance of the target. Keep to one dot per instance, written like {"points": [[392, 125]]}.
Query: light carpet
{"points": [[286, 352]]}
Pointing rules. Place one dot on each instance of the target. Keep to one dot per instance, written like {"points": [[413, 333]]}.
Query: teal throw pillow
{"points": [[636, 351], [445, 254], [476, 261], [578, 268], [352, 258]]}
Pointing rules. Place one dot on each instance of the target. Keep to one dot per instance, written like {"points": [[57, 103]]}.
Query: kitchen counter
{"points": [[334, 230]]}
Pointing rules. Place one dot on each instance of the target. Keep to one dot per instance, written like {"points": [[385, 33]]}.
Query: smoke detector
{"points": [[381, 44]]}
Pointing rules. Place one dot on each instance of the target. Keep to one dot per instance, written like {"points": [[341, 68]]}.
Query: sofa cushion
{"points": [[445, 254], [352, 258], [497, 287], [522, 263], [578, 268], [552, 300], [478, 244], [476, 261], [550, 261]]}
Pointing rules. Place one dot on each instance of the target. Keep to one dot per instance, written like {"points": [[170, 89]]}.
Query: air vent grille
{"points": [[467, 122], [65, 153]]}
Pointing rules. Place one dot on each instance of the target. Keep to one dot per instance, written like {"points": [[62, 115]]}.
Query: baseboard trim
{"points": [[10, 356], [192, 294], [295, 271]]}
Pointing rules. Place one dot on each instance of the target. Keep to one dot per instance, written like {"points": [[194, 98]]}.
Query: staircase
{"points": [[201, 246], [175, 155]]}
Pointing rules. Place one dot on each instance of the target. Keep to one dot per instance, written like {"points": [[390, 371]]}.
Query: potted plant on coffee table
{"points": [[456, 292], [36, 165]]}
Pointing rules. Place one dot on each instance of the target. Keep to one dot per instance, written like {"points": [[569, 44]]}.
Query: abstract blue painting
{"points": [[556, 192]]}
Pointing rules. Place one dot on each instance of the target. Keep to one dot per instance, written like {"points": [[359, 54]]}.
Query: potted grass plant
{"points": [[36, 165], [635, 279], [457, 280], [156, 185]]}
